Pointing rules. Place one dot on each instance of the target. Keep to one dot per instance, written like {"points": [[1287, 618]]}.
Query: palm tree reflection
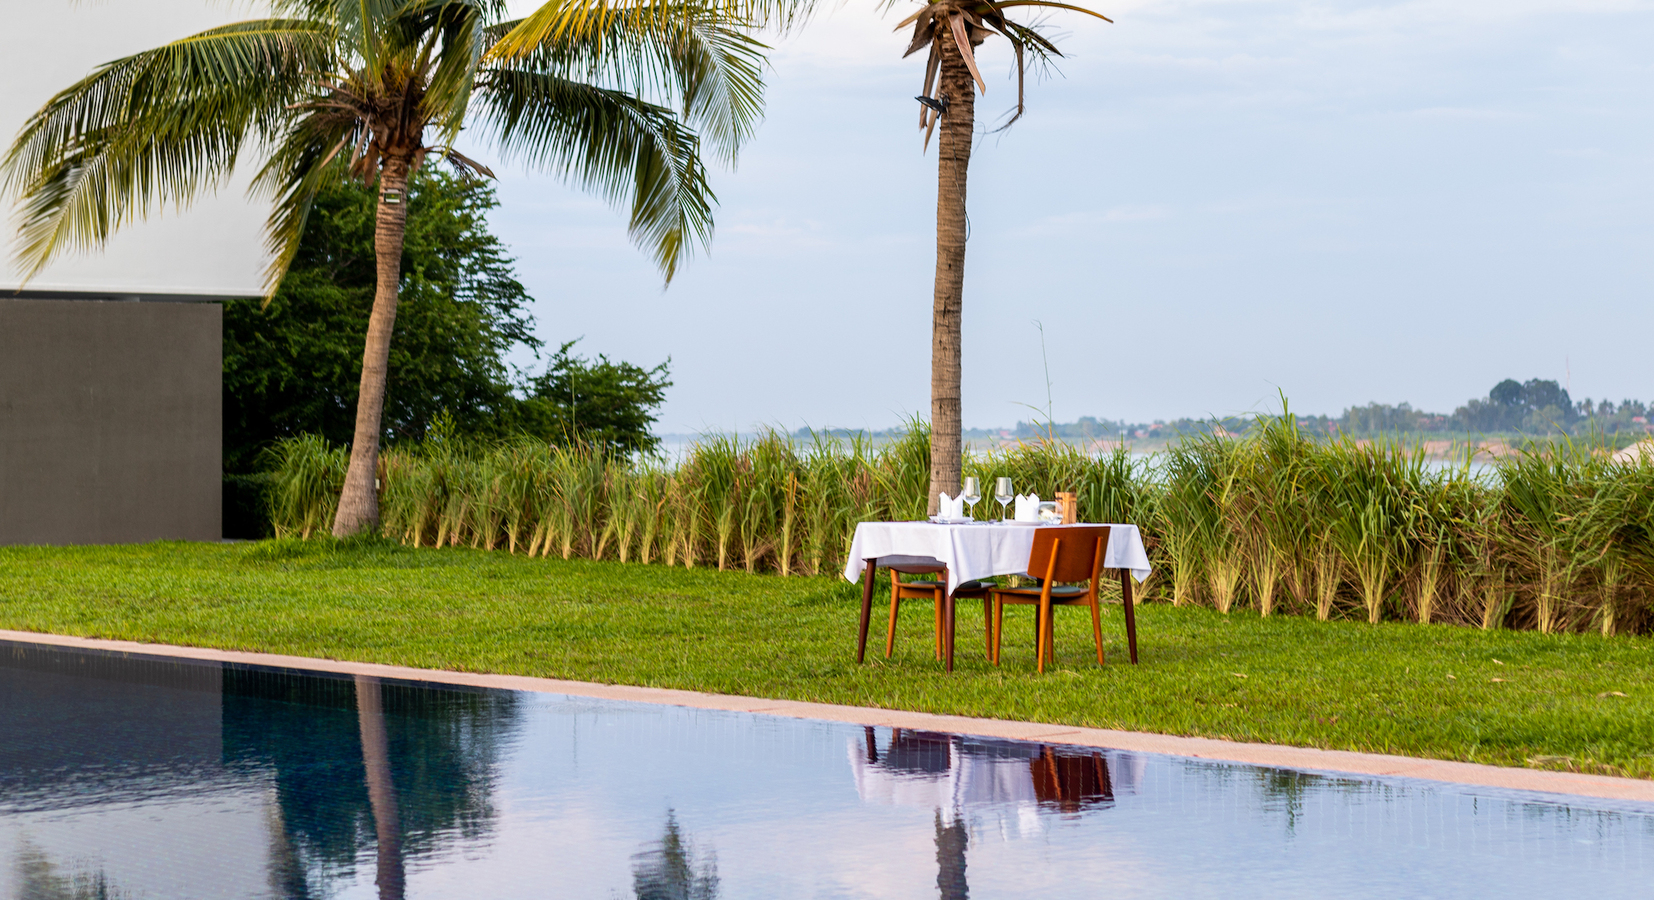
{"points": [[950, 859], [376, 761], [666, 869], [39, 879], [413, 763]]}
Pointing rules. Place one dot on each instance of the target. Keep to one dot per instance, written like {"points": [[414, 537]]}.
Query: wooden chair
{"points": [[934, 590], [1071, 778], [1061, 554]]}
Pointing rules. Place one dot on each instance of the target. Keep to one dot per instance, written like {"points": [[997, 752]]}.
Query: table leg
{"points": [[866, 606], [1131, 613], [988, 625]]}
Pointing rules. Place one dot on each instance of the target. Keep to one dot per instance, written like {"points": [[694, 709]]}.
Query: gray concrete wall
{"points": [[111, 421]]}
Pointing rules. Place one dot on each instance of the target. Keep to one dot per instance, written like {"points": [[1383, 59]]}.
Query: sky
{"points": [[1212, 204]]}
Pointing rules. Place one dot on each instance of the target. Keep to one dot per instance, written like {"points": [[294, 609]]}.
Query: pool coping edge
{"points": [[1213, 749]]}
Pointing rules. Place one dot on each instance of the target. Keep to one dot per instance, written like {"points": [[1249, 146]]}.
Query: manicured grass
{"points": [[1510, 698]]}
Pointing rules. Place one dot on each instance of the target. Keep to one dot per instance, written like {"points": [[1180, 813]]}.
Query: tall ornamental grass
{"points": [[1556, 537]]}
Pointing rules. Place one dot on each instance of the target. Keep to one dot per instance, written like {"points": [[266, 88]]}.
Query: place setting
{"points": [[952, 554], [1029, 509]]}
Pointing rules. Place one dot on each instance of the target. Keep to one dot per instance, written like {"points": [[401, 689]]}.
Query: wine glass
{"points": [[1003, 493], [971, 493]]}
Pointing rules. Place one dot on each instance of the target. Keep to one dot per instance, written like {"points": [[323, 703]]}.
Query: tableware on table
{"points": [[970, 493], [1048, 513], [1003, 494], [1068, 503]]}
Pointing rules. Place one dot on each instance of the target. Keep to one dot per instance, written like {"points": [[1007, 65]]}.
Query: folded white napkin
{"points": [[950, 507], [1027, 508]]}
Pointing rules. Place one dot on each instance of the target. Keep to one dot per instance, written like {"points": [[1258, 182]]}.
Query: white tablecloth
{"points": [[980, 549]]}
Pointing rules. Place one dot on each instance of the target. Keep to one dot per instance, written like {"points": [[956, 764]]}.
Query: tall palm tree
{"points": [[952, 29], [616, 98]]}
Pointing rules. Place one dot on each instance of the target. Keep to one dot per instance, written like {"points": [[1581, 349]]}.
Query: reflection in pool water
{"points": [[953, 774], [127, 776]]}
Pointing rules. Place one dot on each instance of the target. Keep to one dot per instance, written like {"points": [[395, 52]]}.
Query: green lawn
{"points": [[1581, 702]]}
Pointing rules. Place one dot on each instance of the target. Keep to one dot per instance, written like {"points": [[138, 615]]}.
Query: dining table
{"points": [[975, 550]]}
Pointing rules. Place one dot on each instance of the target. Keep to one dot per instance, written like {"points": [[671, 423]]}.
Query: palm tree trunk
{"points": [[359, 502], [376, 759], [954, 149]]}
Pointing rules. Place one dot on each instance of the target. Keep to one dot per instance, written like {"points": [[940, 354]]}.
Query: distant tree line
{"points": [[1534, 407]]}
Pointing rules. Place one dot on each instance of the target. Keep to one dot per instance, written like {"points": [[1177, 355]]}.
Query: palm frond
{"points": [[553, 22], [973, 19], [358, 24], [1049, 4], [153, 128], [612, 143], [459, 32], [307, 158], [961, 40], [681, 54]]}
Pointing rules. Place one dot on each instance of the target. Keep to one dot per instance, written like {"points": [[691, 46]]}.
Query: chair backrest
{"points": [[1076, 547]]}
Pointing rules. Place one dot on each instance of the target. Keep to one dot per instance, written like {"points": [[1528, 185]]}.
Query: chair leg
{"points": [[936, 604], [1051, 635], [890, 636], [1042, 625], [950, 621], [1097, 629], [1038, 633]]}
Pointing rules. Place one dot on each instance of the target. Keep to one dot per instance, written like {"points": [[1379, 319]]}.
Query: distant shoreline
{"points": [[1440, 449]]}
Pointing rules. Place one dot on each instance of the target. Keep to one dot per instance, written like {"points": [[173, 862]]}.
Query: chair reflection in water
{"points": [[959, 776]]}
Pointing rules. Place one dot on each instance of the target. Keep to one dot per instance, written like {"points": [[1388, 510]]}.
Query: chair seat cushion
{"points": [[972, 587], [1060, 592], [915, 564]]}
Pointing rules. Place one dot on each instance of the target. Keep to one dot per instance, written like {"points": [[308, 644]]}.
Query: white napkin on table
{"points": [[1027, 508], [950, 507]]}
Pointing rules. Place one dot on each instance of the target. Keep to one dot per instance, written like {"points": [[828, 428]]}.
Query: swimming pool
{"points": [[151, 777]]}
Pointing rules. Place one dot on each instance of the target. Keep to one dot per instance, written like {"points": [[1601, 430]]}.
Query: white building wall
{"points": [[216, 247]]}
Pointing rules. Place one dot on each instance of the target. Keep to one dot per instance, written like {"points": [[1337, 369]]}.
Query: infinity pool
{"points": [[141, 777]]}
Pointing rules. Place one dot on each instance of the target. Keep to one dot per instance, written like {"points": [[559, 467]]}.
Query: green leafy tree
{"points": [[376, 88], [293, 365], [605, 403]]}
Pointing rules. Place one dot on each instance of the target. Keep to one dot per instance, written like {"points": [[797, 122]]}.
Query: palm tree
{"points": [[615, 98], [952, 29]]}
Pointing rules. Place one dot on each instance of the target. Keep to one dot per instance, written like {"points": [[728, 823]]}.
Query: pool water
{"points": [[140, 777]]}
